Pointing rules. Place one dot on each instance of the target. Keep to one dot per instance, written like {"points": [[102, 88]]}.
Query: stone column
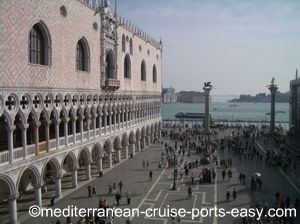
{"points": [[24, 140], [138, 145], [123, 118], [110, 122], [36, 138], [57, 122], [115, 119], [109, 157], [142, 144], [74, 129], [100, 124], [38, 195], [99, 164], [11, 143], [119, 155], [58, 192], [126, 117], [119, 116], [125, 148], [13, 209], [66, 120], [74, 178], [95, 124], [105, 122], [81, 127], [207, 90], [152, 137], [132, 148], [273, 88], [88, 123], [88, 171]]}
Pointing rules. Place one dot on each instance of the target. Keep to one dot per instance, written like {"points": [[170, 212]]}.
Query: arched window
{"points": [[127, 67], [154, 74], [39, 45], [123, 43], [131, 46], [82, 56], [143, 71], [110, 65]]}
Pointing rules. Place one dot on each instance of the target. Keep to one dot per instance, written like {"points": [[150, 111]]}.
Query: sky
{"points": [[238, 45]]}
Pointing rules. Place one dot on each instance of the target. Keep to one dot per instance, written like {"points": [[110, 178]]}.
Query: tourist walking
{"points": [[120, 184], [143, 164], [128, 196], [118, 198], [94, 190], [228, 191], [229, 173], [223, 174], [190, 192], [150, 175], [110, 191], [89, 191], [234, 194]]}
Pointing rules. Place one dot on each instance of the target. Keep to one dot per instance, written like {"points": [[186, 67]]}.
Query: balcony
{"points": [[111, 84]]}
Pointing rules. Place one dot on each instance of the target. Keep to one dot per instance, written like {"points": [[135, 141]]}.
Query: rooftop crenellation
{"points": [[95, 4]]}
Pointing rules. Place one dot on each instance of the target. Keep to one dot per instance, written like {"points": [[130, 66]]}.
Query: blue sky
{"points": [[239, 45]]}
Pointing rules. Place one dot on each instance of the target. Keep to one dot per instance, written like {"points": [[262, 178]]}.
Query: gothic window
{"points": [[154, 74], [110, 65], [127, 67], [143, 71], [82, 56], [123, 43], [39, 45], [131, 46]]}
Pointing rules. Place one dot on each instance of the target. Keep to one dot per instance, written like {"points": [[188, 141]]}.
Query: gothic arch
{"points": [[40, 26], [143, 71], [110, 65], [34, 171], [154, 74], [9, 183], [127, 67]]}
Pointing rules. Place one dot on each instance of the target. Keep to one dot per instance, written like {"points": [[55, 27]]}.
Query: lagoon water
{"points": [[221, 109]]}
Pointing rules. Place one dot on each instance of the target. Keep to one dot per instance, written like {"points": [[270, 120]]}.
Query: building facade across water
{"points": [[80, 90]]}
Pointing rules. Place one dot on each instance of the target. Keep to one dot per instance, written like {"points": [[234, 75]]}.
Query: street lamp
{"points": [[175, 173]]}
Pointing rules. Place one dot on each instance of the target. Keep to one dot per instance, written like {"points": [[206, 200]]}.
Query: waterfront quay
{"points": [[188, 149]]}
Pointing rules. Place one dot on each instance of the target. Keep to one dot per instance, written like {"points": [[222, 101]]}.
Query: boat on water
{"points": [[190, 115], [277, 112], [233, 105]]}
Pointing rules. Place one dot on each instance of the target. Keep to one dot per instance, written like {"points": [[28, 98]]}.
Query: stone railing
{"points": [[31, 150]]}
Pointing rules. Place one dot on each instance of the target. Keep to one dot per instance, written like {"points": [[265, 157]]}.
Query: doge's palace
{"points": [[80, 91]]}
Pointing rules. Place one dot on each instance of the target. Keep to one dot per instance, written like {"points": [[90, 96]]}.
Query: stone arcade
{"points": [[80, 91]]}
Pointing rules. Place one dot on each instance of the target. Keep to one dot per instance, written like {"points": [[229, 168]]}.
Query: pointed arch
{"points": [[40, 44], [127, 67], [82, 55], [154, 74], [123, 43], [131, 46], [110, 65], [143, 70]]}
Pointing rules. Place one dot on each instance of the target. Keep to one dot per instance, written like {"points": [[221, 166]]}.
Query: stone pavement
{"points": [[135, 180], [158, 193]]}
